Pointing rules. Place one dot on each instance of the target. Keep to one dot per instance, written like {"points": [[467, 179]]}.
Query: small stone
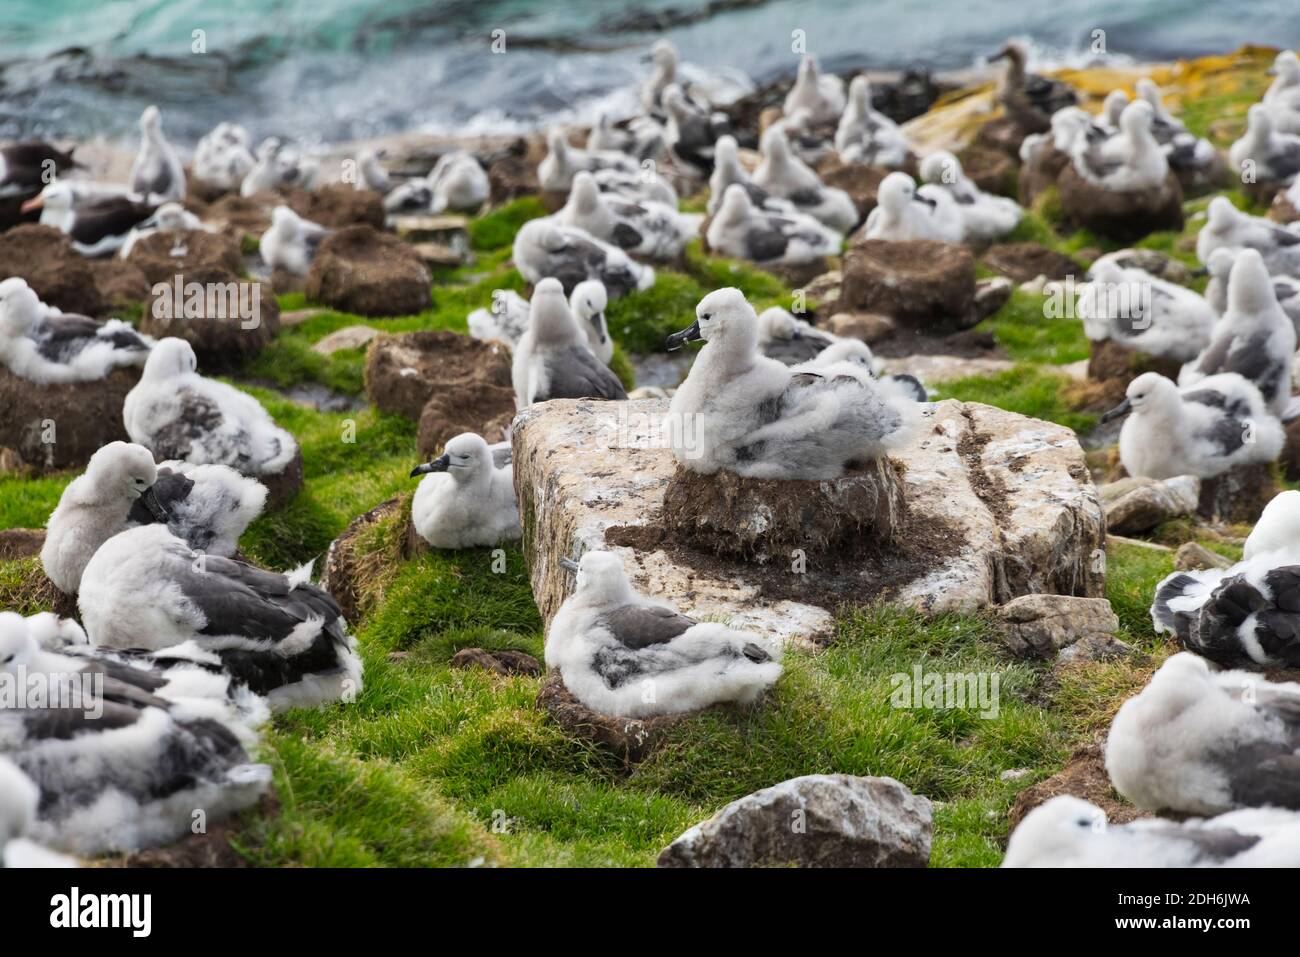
{"points": [[820, 820], [1195, 557], [1038, 626], [867, 326], [1136, 505], [1158, 264], [1014, 774], [1092, 648], [349, 337]]}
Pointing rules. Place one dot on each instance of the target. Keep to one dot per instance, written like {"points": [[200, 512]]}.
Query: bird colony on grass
{"points": [[176, 651]]}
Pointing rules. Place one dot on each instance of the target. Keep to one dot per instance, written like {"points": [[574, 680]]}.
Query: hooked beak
{"points": [[598, 320], [1198, 273], [440, 464], [1119, 411], [155, 507], [568, 564], [679, 339], [1000, 55], [36, 202], [933, 204]]}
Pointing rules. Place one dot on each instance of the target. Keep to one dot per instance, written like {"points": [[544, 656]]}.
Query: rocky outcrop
{"points": [[998, 505], [1125, 217], [921, 282], [820, 820], [1137, 505], [448, 383], [1039, 626], [52, 427], [57, 273], [369, 273], [226, 319]]}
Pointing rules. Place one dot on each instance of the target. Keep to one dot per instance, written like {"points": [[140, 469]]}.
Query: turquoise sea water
{"points": [[343, 69]]}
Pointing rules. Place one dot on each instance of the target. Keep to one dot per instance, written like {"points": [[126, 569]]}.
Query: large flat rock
{"points": [[999, 505]]}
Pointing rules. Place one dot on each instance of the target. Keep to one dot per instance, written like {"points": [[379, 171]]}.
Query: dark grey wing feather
{"points": [[574, 373], [198, 417], [639, 626]]}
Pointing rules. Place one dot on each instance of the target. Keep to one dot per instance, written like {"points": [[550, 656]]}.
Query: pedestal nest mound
{"points": [[285, 485], [1084, 776], [1040, 173], [1238, 495], [847, 821], [360, 561], [1024, 262], [338, 205], [162, 256], [998, 505], [921, 282], [51, 427], [764, 520], [1125, 217], [369, 273], [227, 320], [628, 739], [1111, 367], [57, 273], [861, 182], [446, 382], [991, 170]]}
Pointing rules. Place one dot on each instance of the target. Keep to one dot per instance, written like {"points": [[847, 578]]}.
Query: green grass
{"points": [[1025, 389], [1029, 330], [435, 766]]}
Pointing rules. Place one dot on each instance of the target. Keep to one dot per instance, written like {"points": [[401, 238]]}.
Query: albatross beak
{"points": [[598, 320], [155, 507], [439, 464], [932, 203], [1198, 273], [679, 339], [1120, 410], [568, 564], [36, 202]]}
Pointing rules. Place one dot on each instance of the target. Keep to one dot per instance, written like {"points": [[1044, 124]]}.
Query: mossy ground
{"points": [[435, 766]]}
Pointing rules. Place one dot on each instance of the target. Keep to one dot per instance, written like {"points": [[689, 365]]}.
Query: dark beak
{"points": [[1000, 55], [1119, 411], [154, 506], [679, 339], [439, 464], [1198, 273], [598, 320], [926, 200], [568, 564]]}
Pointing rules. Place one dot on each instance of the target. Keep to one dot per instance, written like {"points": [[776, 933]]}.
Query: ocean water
{"points": [[332, 70]]}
